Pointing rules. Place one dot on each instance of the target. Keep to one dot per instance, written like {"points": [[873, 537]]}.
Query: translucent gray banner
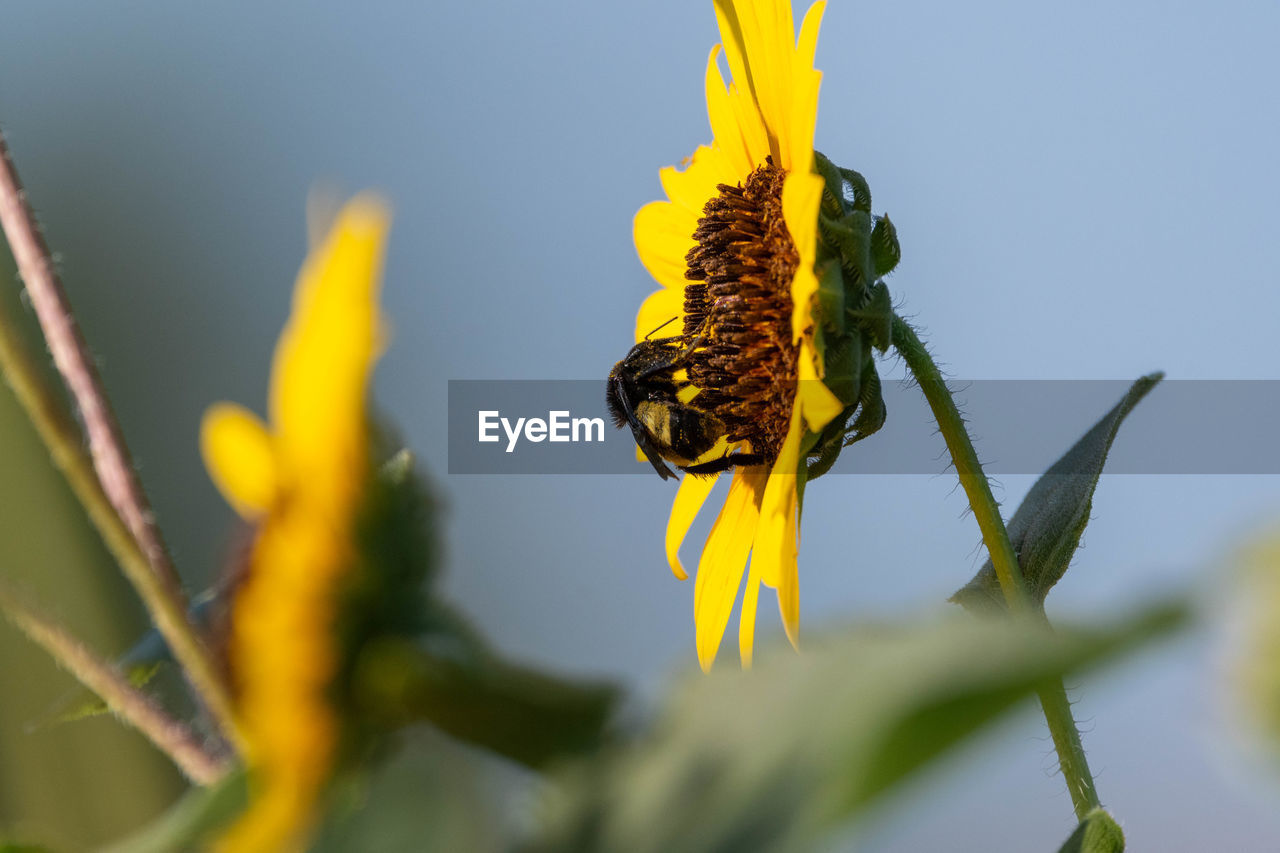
{"points": [[1019, 427]]}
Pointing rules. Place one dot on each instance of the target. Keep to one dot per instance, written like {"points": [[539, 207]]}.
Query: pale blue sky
{"points": [[1084, 191]]}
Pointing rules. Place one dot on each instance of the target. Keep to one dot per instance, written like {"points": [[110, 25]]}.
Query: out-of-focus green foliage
{"points": [[530, 717], [1258, 671], [1046, 529], [428, 798], [1097, 833], [194, 818], [767, 760], [70, 787], [413, 658]]}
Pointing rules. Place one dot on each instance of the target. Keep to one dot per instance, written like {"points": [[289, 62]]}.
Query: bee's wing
{"points": [[637, 431]]}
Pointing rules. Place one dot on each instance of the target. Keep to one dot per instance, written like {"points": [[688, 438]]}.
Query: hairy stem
{"points": [[104, 481], [1053, 696], [125, 701]]}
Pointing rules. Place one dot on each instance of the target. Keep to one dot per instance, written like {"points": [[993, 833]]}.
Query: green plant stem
{"points": [[124, 522], [1053, 697], [125, 701], [1070, 749]]}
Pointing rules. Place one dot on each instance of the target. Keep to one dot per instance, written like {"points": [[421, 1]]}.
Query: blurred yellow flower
{"points": [[301, 480], [1258, 667], [734, 248]]}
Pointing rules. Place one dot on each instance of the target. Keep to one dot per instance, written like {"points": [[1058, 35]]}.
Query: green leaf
{"points": [[1097, 833], [193, 820], [83, 704], [1046, 529], [770, 759]]}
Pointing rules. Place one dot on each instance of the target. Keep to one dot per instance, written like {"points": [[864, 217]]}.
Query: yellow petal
{"points": [[747, 624], [807, 43], [805, 83], [725, 126], [773, 550], [751, 125], [769, 62], [320, 375], [690, 497], [661, 315], [789, 586], [735, 52], [801, 201], [238, 454], [777, 540], [813, 398], [693, 186], [723, 560], [663, 234]]}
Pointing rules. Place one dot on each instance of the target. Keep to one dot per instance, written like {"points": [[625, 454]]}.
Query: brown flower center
{"points": [[738, 303]]}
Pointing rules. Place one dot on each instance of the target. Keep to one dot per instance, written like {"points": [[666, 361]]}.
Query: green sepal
{"points": [[833, 197], [843, 366], [871, 409], [875, 316], [828, 444], [829, 301], [840, 433], [846, 190], [1097, 833], [854, 250], [885, 251], [859, 188], [390, 594], [1046, 529], [850, 238]]}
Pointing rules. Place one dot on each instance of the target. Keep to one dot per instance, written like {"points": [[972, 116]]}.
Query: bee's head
{"points": [[619, 410]]}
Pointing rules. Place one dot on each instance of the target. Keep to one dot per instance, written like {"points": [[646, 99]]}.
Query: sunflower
{"points": [[302, 481], [735, 248]]}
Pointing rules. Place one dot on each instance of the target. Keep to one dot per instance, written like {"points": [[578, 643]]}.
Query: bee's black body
{"points": [[643, 394]]}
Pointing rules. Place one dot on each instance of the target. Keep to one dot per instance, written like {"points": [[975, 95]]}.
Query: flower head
{"points": [[735, 248], [302, 480]]}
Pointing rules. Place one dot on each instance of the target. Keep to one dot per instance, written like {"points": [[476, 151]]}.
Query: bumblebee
{"points": [[643, 393]]}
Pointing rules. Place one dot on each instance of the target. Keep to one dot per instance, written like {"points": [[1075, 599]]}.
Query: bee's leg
{"points": [[724, 463], [676, 361]]}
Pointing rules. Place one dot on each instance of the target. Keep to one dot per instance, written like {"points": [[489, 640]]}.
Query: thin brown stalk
{"points": [[125, 701], [140, 551]]}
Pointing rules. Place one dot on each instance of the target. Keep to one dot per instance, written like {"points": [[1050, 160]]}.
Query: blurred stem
{"points": [[1053, 696], [528, 716], [104, 482], [125, 701]]}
